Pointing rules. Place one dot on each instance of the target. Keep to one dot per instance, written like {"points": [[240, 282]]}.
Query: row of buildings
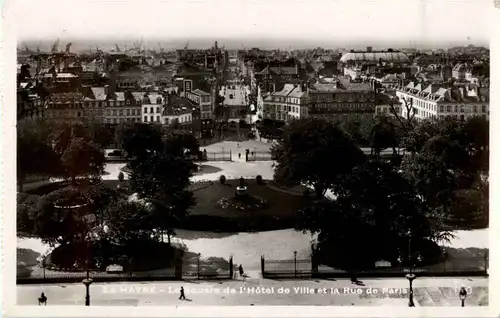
{"points": [[207, 85]]}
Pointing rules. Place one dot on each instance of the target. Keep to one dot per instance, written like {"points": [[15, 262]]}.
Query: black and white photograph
{"points": [[250, 153]]}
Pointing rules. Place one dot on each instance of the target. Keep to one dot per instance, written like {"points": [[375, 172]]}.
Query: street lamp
{"points": [[295, 262], [87, 282], [410, 276], [43, 266], [462, 294], [199, 256]]}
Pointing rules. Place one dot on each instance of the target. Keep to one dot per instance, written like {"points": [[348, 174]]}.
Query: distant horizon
{"points": [[84, 44]]}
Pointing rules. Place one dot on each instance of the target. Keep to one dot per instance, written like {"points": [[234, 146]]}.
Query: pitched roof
{"points": [[176, 111], [200, 92], [99, 93]]}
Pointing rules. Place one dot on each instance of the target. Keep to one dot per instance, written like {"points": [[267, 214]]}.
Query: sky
{"points": [[326, 23]]}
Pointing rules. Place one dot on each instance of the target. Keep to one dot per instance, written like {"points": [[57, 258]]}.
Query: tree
{"points": [[370, 219], [180, 143], [129, 221], [25, 216], [35, 154], [314, 152], [448, 157], [161, 178], [140, 139], [83, 158], [382, 136], [101, 134], [60, 225]]}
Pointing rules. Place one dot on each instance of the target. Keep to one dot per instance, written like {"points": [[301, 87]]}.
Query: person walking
{"points": [[42, 300], [182, 296], [240, 270]]}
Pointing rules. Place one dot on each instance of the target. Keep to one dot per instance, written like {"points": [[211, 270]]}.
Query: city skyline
{"points": [[276, 24]]}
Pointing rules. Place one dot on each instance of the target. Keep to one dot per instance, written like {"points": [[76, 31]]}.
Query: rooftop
{"points": [[200, 92], [441, 93], [375, 56]]}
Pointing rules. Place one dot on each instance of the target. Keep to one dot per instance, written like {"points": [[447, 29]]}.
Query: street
{"points": [[257, 291]]}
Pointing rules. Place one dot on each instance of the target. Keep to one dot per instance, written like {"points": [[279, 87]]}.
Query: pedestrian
{"points": [[354, 279], [238, 145], [240, 269], [182, 296], [42, 300], [239, 155]]}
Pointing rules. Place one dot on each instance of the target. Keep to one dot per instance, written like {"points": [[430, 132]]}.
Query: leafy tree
{"points": [[35, 154], [314, 152], [450, 157], [370, 219], [140, 139], [161, 178], [60, 225], [101, 134], [56, 224], [180, 143], [25, 223], [382, 136], [129, 221], [83, 158]]}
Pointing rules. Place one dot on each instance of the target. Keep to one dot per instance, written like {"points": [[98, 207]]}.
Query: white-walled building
{"points": [[181, 115], [152, 108], [291, 102], [435, 101]]}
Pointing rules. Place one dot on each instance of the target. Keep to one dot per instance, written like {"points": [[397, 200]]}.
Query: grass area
{"points": [[280, 212], [280, 204]]}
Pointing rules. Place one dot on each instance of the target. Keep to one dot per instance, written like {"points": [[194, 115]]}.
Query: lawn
{"points": [[280, 212], [280, 203]]}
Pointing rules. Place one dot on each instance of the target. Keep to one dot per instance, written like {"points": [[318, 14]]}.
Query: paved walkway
{"points": [[256, 291]]}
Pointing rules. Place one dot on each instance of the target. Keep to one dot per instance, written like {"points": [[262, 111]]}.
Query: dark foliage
{"points": [[315, 152]]}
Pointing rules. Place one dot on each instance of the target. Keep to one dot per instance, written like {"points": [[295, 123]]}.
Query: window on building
{"points": [[448, 109], [441, 109], [158, 118], [157, 110], [483, 108], [151, 110], [121, 112], [127, 102], [145, 110]]}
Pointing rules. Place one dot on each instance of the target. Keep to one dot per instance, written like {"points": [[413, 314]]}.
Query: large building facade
{"points": [[342, 100], [435, 101], [292, 102]]}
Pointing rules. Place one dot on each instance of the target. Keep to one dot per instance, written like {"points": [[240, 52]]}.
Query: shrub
{"points": [[222, 179], [121, 176], [259, 180]]}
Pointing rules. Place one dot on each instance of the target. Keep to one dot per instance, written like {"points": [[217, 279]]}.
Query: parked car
{"points": [[115, 155]]}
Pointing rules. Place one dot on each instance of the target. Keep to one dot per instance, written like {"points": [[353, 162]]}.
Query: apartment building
{"points": [[342, 100], [290, 103], [152, 108], [203, 100], [438, 101]]}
